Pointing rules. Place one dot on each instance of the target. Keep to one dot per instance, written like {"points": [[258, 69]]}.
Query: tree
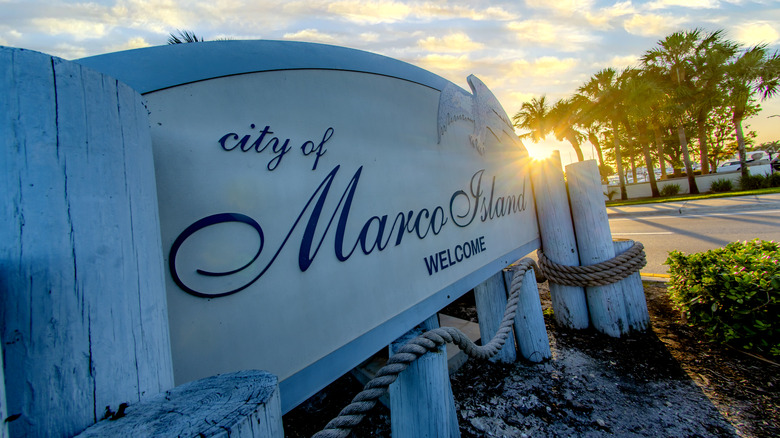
{"points": [[183, 36], [639, 93], [710, 63], [754, 72], [563, 120], [603, 93], [673, 59], [534, 117]]}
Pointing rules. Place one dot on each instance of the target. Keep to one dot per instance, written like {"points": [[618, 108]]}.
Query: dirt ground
{"points": [[668, 382]]}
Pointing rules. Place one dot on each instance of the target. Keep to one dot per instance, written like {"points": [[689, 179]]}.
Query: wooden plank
{"points": [[530, 331], [570, 307], [421, 400], [82, 315], [243, 404], [633, 292], [491, 299], [594, 242]]}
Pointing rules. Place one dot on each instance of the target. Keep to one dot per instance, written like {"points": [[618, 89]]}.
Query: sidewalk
{"points": [[685, 208]]}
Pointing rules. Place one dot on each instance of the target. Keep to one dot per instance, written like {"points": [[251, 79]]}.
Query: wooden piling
{"points": [[530, 331], [83, 316], [491, 299], [570, 307], [594, 242], [3, 410], [421, 400], [633, 292], [243, 404]]}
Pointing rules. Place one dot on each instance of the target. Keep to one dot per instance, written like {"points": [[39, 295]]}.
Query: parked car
{"points": [[729, 166]]}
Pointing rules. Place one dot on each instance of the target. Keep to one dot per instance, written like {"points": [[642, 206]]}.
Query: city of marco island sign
{"points": [[316, 202]]}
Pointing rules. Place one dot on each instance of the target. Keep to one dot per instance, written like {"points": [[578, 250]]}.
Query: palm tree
{"points": [[709, 70], [604, 94], [534, 117], [753, 72], [184, 36], [564, 118], [639, 93], [673, 60]]}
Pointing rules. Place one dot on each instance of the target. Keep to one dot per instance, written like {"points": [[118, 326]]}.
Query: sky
{"points": [[520, 49]]}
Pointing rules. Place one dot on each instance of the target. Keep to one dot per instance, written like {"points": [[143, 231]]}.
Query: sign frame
{"points": [[159, 68]]}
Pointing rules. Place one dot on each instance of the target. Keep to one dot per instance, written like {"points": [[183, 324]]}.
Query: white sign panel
{"points": [[313, 212]]}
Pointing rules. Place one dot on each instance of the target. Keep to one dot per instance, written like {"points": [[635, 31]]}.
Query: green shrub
{"points": [[670, 190], [611, 194], [721, 185], [773, 180], [752, 182], [733, 293]]}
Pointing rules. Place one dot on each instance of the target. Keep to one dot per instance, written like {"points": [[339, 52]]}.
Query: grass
{"points": [[639, 201]]}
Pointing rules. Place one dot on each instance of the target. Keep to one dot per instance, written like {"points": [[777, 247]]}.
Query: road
{"points": [[694, 233]]}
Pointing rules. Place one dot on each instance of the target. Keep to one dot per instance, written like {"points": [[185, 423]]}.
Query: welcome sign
{"points": [[317, 202]]}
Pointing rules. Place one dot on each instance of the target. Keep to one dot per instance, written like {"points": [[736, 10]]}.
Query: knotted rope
{"points": [[595, 275]]}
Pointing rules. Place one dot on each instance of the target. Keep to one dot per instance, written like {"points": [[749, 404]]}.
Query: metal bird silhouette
{"points": [[481, 108]]}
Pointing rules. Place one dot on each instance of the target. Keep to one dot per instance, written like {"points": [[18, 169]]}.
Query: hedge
{"points": [[733, 293]]}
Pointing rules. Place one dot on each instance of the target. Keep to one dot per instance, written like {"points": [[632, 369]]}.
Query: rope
{"points": [[594, 275], [600, 274]]}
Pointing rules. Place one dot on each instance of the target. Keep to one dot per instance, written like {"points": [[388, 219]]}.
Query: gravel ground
{"points": [[667, 382]]}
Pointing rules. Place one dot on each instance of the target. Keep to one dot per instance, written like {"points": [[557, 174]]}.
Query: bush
{"points": [[670, 190], [774, 180], [753, 182], [721, 185], [733, 293]]}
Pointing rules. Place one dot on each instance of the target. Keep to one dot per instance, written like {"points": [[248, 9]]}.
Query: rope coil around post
{"points": [[607, 272], [600, 274]]}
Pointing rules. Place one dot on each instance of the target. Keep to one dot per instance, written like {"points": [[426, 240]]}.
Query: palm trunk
{"points": [[659, 145], [648, 161], [702, 132], [619, 161], [576, 145], [692, 188], [741, 145]]}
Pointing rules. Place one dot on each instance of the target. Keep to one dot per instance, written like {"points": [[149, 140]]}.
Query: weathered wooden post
{"points": [[244, 404], [491, 299], [633, 292], [3, 410], [594, 242], [530, 331], [83, 316], [421, 401], [558, 241]]}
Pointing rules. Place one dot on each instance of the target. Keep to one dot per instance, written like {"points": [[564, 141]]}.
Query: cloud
{"points": [[132, 43], [160, 16], [653, 25], [546, 33], [757, 32], [371, 12], [79, 30], [454, 42], [693, 4], [543, 67], [450, 63], [437, 10], [603, 18], [562, 7], [312, 35]]}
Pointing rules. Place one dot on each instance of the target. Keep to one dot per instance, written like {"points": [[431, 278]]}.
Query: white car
{"points": [[729, 166]]}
